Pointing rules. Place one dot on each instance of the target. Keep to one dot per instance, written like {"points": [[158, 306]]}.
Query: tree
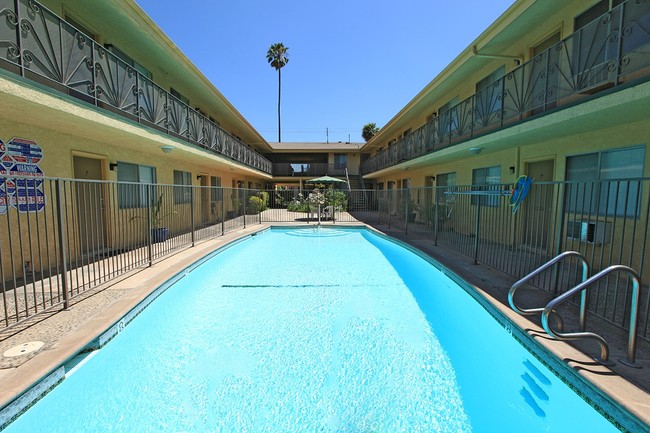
{"points": [[369, 130], [277, 58]]}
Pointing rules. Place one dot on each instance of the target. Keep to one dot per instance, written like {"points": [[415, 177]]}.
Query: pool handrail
{"points": [[630, 359], [545, 266]]}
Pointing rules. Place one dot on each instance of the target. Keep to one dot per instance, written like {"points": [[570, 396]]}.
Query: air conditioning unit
{"points": [[594, 232]]}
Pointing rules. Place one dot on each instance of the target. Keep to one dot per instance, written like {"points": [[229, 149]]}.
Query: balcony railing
{"points": [[307, 169], [611, 50], [39, 45]]}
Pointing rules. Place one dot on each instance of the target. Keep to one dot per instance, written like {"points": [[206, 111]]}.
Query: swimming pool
{"points": [[304, 330]]}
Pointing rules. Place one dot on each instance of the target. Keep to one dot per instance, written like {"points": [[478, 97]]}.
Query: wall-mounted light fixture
{"points": [[200, 175], [166, 148], [475, 150], [512, 169], [112, 166]]}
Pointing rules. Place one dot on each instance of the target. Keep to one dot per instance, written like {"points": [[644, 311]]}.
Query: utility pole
{"points": [[327, 134]]}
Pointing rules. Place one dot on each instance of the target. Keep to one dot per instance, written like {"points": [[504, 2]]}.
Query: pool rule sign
{"points": [[20, 157]]}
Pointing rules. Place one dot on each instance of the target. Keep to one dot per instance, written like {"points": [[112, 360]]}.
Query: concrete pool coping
{"points": [[66, 333]]}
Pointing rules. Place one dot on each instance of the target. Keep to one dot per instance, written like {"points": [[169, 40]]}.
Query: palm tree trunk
{"points": [[279, 93]]}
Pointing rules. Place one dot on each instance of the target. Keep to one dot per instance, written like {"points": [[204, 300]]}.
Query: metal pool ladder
{"points": [[581, 288], [545, 266]]}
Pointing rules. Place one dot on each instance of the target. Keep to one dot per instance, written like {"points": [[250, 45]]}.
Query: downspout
{"points": [[517, 59]]}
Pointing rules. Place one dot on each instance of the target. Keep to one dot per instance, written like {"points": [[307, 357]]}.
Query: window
{"points": [[487, 179], [546, 44], [216, 193], [130, 195], [182, 195], [445, 183], [595, 50], [448, 116], [488, 96], [340, 161], [604, 182], [80, 27], [600, 8], [129, 61], [179, 96]]}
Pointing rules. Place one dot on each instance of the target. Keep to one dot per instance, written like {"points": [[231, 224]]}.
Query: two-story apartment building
{"points": [[101, 93], [557, 91], [544, 87]]}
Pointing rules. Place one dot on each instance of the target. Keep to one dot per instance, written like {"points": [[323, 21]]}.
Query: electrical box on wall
{"points": [[594, 232]]}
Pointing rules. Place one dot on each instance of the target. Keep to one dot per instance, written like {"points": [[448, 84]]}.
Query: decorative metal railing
{"points": [[39, 45], [307, 169], [610, 51]]}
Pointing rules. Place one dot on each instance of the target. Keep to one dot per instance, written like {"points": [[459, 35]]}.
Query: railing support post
{"points": [[19, 42], [61, 227]]}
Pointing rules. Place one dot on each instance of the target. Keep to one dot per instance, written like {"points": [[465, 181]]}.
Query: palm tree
{"points": [[369, 130], [277, 58]]}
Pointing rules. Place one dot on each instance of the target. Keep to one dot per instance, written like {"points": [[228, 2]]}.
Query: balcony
{"points": [[44, 48], [307, 169], [610, 51]]}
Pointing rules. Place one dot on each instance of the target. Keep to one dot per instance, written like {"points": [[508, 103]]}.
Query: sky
{"points": [[351, 62]]}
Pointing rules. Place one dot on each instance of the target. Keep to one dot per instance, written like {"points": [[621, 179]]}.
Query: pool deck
{"points": [[67, 332]]}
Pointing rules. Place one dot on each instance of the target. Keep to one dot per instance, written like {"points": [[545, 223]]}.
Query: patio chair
{"points": [[327, 213]]}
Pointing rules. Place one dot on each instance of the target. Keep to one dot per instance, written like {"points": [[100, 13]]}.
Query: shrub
{"points": [[264, 196], [255, 205], [336, 198]]}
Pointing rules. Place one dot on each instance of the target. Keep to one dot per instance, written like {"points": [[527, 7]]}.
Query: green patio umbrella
{"points": [[325, 180]]}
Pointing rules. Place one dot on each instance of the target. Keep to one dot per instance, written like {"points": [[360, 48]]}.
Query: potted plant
{"points": [[159, 233]]}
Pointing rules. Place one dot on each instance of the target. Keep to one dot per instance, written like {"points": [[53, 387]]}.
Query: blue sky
{"points": [[351, 62]]}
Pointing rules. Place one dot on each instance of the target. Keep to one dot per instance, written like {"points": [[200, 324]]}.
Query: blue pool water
{"points": [[313, 331]]}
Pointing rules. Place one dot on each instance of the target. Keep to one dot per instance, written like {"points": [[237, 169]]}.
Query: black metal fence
{"points": [[62, 237], [605, 221], [610, 51], [41, 46]]}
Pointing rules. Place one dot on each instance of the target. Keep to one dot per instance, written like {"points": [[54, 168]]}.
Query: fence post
{"points": [[407, 199], [192, 213], [390, 203], [62, 243], [555, 276], [476, 228], [245, 201], [149, 225], [223, 211], [377, 195], [435, 221]]}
